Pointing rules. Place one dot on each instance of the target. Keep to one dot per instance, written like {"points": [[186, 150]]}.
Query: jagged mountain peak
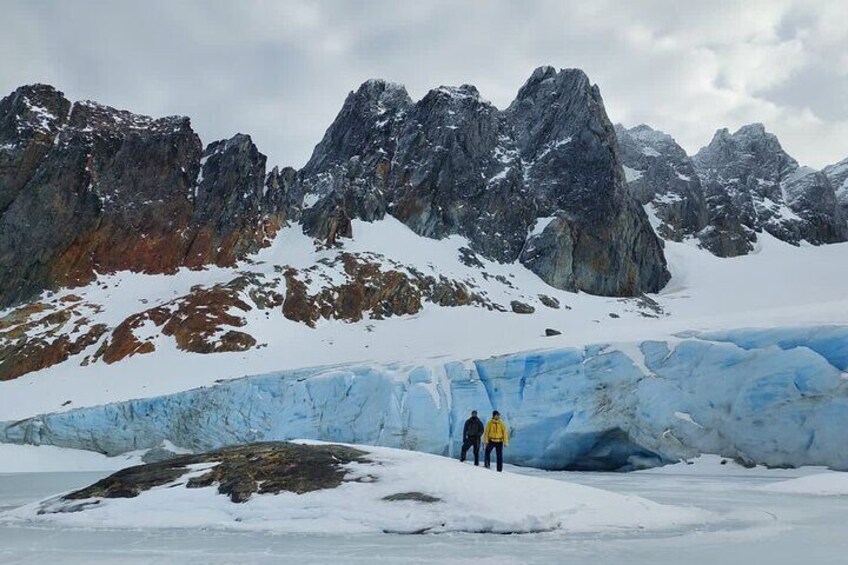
{"points": [[549, 90], [751, 139], [88, 115], [661, 176], [753, 185], [37, 108], [380, 94], [455, 164], [86, 188], [462, 93], [647, 135], [751, 148], [548, 75]]}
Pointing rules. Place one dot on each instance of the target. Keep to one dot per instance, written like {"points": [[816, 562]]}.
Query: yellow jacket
{"points": [[496, 431]]}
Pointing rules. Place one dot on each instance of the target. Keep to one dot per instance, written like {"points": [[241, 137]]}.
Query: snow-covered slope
{"points": [[770, 396], [779, 285], [456, 498]]}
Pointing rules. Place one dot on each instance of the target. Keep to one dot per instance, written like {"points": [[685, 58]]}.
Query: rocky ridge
{"points": [[837, 174], [452, 163], [219, 317], [752, 185], [86, 188], [740, 185], [239, 472], [661, 175]]}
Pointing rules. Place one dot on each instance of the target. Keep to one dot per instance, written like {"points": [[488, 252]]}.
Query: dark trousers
{"points": [[471, 442], [498, 447]]}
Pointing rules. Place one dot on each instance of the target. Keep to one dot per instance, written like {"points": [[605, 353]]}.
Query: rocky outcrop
{"points": [[370, 289], [239, 472], [837, 174], [752, 185], [452, 163], [86, 188], [661, 175], [574, 171], [37, 336], [215, 318]]}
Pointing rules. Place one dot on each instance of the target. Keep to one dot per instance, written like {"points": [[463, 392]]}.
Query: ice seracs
{"points": [[775, 397]]}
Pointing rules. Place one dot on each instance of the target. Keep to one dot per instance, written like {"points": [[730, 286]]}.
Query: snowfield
{"points": [[745, 523], [823, 484], [469, 499], [49, 459], [779, 285]]}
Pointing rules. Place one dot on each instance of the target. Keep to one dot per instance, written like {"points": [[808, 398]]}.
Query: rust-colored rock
{"points": [[370, 291], [85, 188], [30, 338]]}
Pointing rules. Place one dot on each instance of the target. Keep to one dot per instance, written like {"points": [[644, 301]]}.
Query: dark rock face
{"points": [[752, 185], [239, 471], [659, 173], [454, 164], [521, 307], [574, 170], [837, 174], [235, 210], [85, 188]]}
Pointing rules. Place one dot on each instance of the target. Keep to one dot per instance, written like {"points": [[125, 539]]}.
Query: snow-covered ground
{"points": [[50, 459], [777, 285], [750, 524], [464, 499]]}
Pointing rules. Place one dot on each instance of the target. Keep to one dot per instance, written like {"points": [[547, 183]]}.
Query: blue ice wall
{"points": [[776, 397]]}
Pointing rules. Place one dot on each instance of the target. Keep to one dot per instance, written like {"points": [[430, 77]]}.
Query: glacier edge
{"points": [[776, 397]]}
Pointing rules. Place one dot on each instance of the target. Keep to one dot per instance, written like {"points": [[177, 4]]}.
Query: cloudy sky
{"points": [[280, 70]]}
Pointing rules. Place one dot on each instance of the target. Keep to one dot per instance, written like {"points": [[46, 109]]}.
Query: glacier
{"points": [[777, 397]]}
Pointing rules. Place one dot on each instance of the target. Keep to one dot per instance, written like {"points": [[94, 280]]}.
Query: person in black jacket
{"points": [[471, 434]]}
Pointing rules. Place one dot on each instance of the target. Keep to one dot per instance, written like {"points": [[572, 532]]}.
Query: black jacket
{"points": [[473, 428]]}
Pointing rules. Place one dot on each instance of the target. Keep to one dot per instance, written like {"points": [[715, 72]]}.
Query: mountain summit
{"points": [[540, 182], [86, 188]]}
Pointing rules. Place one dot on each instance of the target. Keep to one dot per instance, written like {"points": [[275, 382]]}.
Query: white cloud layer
{"points": [[280, 70]]}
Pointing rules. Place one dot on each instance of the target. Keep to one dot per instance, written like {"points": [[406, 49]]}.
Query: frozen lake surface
{"points": [[758, 527]]}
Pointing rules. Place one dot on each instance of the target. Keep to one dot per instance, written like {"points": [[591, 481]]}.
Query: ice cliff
{"points": [[777, 397]]}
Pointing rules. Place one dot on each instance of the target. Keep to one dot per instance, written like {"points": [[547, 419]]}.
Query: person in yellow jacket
{"points": [[496, 436]]}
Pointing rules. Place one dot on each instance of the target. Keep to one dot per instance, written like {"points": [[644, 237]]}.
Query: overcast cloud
{"points": [[280, 70]]}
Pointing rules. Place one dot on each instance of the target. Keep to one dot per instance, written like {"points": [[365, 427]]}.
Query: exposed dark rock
{"points": [[235, 211], [202, 321], [371, 291], [550, 332], [414, 496], [87, 188], [469, 258], [837, 174], [660, 174], [36, 336], [239, 471], [752, 185], [521, 308], [601, 241], [453, 164], [549, 301]]}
